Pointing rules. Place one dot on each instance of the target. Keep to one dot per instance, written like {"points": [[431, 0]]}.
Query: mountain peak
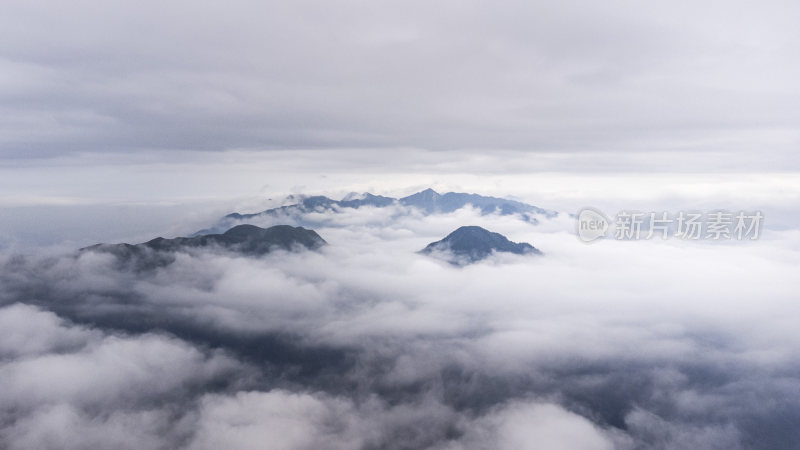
{"points": [[469, 244], [243, 230]]}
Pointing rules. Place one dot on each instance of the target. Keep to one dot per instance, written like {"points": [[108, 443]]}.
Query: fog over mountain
{"points": [[302, 209], [366, 344]]}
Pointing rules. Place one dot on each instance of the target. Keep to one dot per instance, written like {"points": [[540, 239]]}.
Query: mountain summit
{"points": [[244, 239], [469, 244]]}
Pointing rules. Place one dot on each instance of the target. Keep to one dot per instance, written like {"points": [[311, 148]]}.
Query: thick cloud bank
{"points": [[367, 344]]}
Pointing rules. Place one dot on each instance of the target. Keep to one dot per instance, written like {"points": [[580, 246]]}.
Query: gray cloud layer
{"points": [[525, 75], [369, 345]]}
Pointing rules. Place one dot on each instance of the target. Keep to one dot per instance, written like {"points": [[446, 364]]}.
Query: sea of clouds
{"points": [[367, 344]]}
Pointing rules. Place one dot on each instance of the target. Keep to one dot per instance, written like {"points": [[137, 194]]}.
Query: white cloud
{"points": [[367, 341], [278, 419], [28, 332], [533, 425]]}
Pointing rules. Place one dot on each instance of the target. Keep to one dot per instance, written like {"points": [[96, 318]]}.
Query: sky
{"points": [[106, 86], [122, 121], [533, 76], [205, 107]]}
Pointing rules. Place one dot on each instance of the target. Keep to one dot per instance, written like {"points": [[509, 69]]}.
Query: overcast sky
{"points": [[151, 102], [98, 76]]}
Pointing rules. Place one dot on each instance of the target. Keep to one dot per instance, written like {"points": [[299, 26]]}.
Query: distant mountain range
{"points": [[465, 245], [427, 201], [469, 244], [243, 239]]}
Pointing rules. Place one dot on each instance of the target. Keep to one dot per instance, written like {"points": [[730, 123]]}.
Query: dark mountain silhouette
{"points": [[244, 239], [427, 201], [472, 243]]}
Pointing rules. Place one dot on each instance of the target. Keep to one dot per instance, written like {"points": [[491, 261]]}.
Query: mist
{"points": [[367, 344]]}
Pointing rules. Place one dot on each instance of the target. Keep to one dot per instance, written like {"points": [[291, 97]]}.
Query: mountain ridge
{"points": [[245, 239], [427, 201]]}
